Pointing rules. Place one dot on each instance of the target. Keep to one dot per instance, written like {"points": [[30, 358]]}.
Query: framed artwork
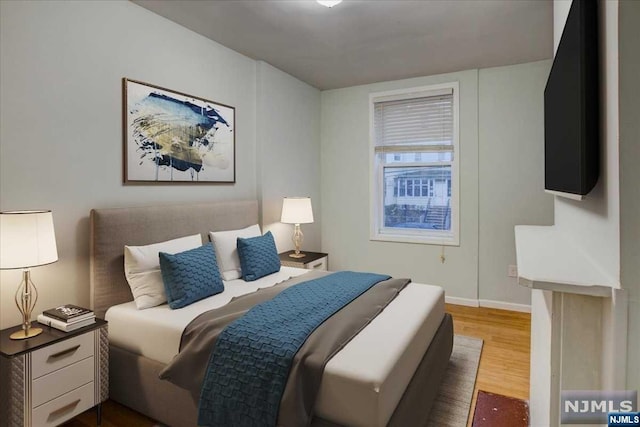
{"points": [[171, 137]]}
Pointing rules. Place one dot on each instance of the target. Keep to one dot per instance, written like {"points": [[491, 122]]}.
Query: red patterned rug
{"points": [[496, 410]]}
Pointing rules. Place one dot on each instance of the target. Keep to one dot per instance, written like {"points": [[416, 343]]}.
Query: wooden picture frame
{"points": [[172, 137]]}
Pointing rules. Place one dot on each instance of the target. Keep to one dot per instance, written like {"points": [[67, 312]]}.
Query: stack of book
{"points": [[67, 317]]}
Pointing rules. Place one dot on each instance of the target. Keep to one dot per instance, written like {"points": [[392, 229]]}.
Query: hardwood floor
{"points": [[113, 415], [504, 364]]}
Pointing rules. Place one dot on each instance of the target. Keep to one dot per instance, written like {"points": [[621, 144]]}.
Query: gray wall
{"points": [[511, 138], [61, 122], [288, 135], [501, 152], [629, 33]]}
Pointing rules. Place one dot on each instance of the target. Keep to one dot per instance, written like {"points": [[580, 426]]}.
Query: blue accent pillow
{"points": [[190, 276], [258, 256]]}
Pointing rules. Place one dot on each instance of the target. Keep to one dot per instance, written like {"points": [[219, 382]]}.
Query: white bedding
{"points": [[156, 332], [361, 384]]}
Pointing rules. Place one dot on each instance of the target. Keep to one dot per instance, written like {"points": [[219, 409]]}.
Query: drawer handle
{"points": [[64, 352], [317, 265], [65, 408]]}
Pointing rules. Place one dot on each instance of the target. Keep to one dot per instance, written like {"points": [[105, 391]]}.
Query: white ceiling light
{"points": [[329, 3]]}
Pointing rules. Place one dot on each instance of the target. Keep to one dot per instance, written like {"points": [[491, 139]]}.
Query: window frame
{"points": [[377, 231]]}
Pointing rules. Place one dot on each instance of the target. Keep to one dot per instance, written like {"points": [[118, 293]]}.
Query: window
{"points": [[414, 140]]}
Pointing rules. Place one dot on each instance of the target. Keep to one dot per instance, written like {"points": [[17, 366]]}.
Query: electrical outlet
{"points": [[513, 271]]}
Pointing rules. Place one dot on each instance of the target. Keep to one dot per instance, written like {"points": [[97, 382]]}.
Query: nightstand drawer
{"points": [[319, 264], [61, 354], [63, 380], [64, 407], [51, 378]]}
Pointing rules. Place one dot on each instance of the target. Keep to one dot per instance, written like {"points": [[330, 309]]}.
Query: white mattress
{"points": [[361, 384]]}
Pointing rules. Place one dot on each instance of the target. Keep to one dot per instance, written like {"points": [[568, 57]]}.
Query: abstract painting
{"points": [[172, 137]]}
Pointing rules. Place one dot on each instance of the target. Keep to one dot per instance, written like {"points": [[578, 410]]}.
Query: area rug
{"points": [[496, 410], [452, 405]]}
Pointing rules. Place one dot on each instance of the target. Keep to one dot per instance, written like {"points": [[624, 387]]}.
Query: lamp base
{"points": [[23, 335], [26, 297], [295, 255]]}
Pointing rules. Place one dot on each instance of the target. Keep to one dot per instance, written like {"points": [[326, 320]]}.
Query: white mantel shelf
{"points": [[548, 260]]}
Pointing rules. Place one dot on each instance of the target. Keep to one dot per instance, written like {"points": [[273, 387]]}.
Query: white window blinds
{"points": [[420, 124]]}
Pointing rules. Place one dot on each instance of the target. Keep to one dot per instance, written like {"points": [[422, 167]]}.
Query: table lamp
{"points": [[27, 239], [297, 210]]}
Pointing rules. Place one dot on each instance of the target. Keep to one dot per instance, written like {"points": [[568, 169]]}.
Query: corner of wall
{"points": [[288, 152]]}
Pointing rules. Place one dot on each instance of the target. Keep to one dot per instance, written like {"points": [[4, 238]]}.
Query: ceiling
{"points": [[359, 42]]}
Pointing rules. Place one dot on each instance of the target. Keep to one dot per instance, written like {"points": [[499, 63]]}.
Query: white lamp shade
{"points": [[296, 210], [329, 3], [27, 239]]}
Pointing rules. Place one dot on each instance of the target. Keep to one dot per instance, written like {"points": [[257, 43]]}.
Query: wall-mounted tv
{"points": [[571, 106]]}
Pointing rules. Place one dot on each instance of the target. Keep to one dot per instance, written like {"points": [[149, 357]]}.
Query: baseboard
{"points": [[461, 301], [501, 305]]}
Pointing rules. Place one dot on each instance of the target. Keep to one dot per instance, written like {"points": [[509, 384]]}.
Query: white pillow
{"points": [[142, 269], [227, 252]]}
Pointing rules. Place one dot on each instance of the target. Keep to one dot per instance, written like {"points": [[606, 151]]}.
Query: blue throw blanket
{"points": [[250, 363]]}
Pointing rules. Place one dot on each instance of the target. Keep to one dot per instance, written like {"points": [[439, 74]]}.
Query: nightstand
{"points": [[312, 260], [48, 379]]}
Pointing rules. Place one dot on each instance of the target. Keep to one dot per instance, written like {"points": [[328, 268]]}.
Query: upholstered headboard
{"points": [[112, 229]]}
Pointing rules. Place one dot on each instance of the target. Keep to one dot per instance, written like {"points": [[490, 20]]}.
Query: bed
{"points": [[388, 374]]}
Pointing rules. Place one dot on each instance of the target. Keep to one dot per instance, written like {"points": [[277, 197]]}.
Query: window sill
{"points": [[438, 240]]}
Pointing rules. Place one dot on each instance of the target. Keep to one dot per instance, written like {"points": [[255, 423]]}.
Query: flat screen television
{"points": [[571, 106]]}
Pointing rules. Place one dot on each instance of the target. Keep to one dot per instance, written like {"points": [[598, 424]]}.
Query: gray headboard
{"points": [[112, 229]]}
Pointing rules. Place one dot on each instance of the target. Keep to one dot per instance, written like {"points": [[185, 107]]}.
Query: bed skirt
{"points": [[134, 383]]}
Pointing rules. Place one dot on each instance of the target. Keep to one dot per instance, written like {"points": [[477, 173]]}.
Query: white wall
{"points": [[288, 135], [576, 325], [511, 138], [506, 141], [61, 122], [560, 14], [594, 223], [567, 327], [63, 63], [629, 32], [345, 191]]}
